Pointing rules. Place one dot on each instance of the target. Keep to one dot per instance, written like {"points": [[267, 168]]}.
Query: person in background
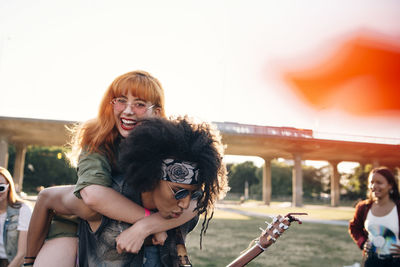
{"points": [[376, 223], [14, 221]]}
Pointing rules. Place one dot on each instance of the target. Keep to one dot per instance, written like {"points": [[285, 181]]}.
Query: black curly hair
{"points": [[156, 139]]}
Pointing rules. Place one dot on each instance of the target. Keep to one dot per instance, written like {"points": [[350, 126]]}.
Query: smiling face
{"points": [[379, 186], [128, 109], [163, 198]]}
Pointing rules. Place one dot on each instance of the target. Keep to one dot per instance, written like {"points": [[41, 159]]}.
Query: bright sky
{"points": [[217, 60]]}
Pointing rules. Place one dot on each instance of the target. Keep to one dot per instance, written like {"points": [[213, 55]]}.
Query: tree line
{"points": [[316, 181], [44, 166]]}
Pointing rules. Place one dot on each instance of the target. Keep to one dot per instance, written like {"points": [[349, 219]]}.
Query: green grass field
{"points": [[321, 212], [307, 245]]}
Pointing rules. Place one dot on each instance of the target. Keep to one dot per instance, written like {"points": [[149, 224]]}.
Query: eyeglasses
{"points": [[4, 187], [182, 193], [138, 106]]}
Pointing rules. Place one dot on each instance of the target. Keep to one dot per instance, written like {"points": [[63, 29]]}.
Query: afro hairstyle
{"points": [[156, 139]]}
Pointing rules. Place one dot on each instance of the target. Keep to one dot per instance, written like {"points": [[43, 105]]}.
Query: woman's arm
{"points": [[19, 257], [356, 226], [104, 200], [94, 188], [111, 203], [131, 240], [55, 199]]}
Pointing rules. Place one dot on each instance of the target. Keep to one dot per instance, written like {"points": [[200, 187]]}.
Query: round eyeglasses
{"points": [[182, 193], [139, 106], [4, 187]]}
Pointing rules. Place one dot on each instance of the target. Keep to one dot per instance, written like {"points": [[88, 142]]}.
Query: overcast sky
{"points": [[217, 60]]}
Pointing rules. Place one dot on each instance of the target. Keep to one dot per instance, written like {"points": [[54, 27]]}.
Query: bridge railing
{"points": [[357, 138], [237, 128]]}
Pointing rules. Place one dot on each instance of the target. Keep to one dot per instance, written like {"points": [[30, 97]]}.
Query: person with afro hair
{"points": [[52, 238], [166, 163]]}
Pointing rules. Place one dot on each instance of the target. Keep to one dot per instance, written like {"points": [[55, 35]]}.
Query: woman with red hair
{"points": [[95, 147]]}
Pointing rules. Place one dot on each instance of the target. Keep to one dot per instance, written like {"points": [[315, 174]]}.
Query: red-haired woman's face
{"points": [[379, 186], [3, 185], [128, 109]]}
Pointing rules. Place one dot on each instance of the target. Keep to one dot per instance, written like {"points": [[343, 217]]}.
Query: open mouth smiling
{"points": [[127, 124]]}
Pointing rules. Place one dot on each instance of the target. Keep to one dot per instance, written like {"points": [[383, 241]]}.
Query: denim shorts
{"points": [[151, 257]]}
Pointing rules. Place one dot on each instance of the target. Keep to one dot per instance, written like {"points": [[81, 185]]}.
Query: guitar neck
{"points": [[268, 236], [246, 257]]}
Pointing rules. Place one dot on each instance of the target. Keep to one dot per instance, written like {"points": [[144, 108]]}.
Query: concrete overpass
{"points": [[264, 141], [22, 132], [297, 144]]}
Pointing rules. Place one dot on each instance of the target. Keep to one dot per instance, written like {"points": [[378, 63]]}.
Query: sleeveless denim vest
{"points": [[98, 248], [10, 232]]}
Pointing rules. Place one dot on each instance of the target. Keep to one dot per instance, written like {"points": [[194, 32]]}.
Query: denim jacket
{"points": [[98, 248], [10, 232]]}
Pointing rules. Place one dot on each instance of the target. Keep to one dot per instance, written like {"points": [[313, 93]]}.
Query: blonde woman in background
{"points": [[14, 222]]}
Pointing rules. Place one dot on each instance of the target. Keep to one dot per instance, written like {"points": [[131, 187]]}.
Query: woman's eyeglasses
{"points": [[3, 187], [138, 106], [182, 193]]}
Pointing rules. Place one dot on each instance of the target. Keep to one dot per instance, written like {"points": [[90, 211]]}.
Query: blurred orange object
{"points": [[362, 77]]}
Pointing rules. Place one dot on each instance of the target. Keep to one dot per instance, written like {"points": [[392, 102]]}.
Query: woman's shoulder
{"points": [[90, 157], [363, 203], [26, 205], [23, 204], [99, 152], [26, 208]]}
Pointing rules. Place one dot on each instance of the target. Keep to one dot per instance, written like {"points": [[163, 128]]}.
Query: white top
{"points": [[25, 213], [383, 231]]}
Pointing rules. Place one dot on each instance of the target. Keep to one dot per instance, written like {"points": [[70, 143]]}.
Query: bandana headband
{"points": [[181, 172]]}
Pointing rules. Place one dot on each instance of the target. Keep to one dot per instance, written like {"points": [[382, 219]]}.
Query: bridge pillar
{"points": [[335, 183], [19, 166], [3, 153], [266, 185], [297, 182]]}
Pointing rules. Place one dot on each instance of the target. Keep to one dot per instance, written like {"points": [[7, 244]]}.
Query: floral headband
{"points": [[177, 171]]}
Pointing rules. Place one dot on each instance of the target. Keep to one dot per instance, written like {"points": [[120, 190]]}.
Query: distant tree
{"points": [[11, 158], [44, 166], [256, 188], [325, 172], [281, 174], [229, 167], [356, 184], [281, 179], [239, 173], [312, 181]]}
